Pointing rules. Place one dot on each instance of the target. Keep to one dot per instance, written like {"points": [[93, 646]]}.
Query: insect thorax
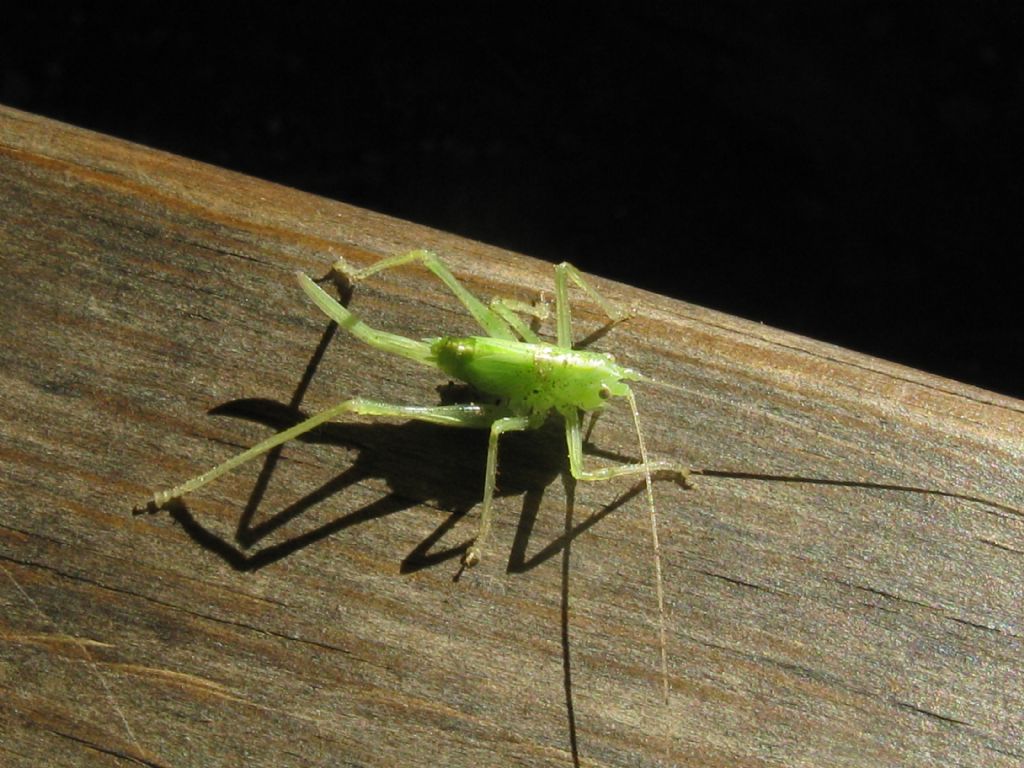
{"points": [[532, 378]]}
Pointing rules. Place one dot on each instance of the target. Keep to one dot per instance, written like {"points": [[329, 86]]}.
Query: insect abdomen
{"points": [[531, 378]]}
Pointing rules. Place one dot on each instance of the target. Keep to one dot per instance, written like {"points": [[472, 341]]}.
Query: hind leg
{"points": [[490, 321], [468, 415]]}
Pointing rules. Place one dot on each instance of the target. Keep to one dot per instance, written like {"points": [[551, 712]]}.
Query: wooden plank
{"points": [[845, 586]]}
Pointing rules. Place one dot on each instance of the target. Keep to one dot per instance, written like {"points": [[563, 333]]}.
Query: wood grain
{"points": [[845, 586]]}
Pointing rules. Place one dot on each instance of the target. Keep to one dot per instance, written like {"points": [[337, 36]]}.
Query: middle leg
{"points": [[498, 428]]}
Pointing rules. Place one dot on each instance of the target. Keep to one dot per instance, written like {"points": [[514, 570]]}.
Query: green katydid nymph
{"points": [[521, 378]]}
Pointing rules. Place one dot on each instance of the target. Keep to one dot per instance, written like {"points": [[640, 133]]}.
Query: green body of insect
{"points": [[533, 379]]}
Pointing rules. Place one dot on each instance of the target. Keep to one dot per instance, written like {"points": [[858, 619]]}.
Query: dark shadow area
{"points": [[420, 463], [598, 334], [567, 535]]}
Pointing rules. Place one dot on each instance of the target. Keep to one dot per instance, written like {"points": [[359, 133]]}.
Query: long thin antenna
{"points": [[659, 583]]}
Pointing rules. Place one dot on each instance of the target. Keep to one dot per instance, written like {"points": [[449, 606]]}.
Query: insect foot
{"points": [[683, 479], [472, 557]]}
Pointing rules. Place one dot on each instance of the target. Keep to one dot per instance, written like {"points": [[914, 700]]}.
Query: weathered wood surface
{"points": [[845, 587]]}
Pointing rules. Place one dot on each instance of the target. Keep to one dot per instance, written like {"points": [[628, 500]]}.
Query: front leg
{"points": [[574, 443], [563, 313]]}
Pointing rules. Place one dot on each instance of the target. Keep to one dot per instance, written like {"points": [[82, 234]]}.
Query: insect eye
{"points": [[604, 392]]}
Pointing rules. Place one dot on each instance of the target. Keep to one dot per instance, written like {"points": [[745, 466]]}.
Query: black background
{"points": [[846, 170]]}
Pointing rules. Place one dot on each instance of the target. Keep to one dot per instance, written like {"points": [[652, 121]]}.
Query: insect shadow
{"points": [[404, 455]]}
